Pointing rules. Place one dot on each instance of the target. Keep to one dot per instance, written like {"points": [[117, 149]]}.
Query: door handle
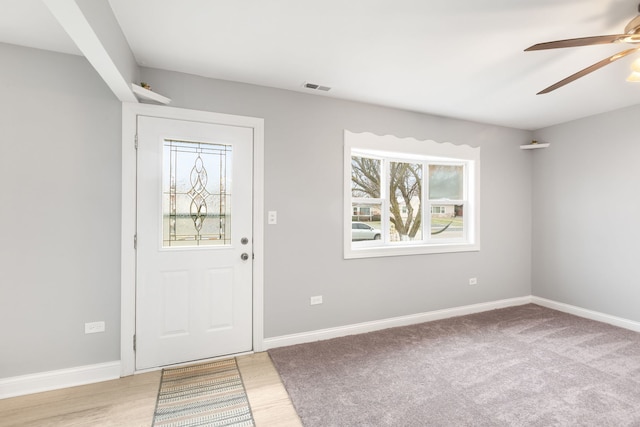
{"points": [[244, 256]]}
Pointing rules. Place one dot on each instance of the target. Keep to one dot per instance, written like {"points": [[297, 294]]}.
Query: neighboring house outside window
{"points": [[417, 196]]}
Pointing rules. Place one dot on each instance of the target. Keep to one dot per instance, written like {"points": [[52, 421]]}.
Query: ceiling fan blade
{"points": [[589, 69], [582, 41], [633, 25]]}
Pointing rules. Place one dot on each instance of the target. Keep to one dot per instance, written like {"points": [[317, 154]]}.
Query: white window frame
{"points": [[412, 150]]}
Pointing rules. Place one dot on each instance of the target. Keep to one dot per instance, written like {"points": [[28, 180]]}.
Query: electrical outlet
{"points": [[473, 281], [315, 300], [94, 327]]}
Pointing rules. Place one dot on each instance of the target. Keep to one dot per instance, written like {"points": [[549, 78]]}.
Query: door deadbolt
{"points": [[244, 240]]}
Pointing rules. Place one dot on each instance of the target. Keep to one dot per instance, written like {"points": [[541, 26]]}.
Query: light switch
{"points": [[272, 217]]}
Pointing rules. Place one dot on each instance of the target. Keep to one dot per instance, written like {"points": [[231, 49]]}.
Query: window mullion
{"points": [[385, 194], [426, 211]]}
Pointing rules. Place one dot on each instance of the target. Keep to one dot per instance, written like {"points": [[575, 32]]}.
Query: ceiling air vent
{"points": [[314, 86]]}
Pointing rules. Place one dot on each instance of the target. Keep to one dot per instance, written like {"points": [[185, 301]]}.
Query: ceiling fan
{"points": [[631, 35]]}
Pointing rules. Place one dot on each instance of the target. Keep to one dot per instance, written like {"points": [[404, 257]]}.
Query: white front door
{"points": [[194, 241]]}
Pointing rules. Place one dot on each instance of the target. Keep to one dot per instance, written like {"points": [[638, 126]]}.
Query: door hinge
{"points": [[135, 141], [135, 241], [134, 342]]}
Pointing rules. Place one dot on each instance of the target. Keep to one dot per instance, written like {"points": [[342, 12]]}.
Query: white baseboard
{"points": [[53, 380], [361, 328], [588, 314]]}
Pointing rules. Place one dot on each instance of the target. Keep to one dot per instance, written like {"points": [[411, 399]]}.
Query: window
{"points": [[196, 200], [404, 196]]}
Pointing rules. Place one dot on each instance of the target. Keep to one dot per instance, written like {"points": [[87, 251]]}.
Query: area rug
{"points": [[518, 366], [207, 394]]}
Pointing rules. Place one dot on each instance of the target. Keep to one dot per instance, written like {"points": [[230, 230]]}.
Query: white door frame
{"points": [[128, 256]]}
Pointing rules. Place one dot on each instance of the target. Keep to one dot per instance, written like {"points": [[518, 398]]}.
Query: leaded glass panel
{"points": [[196, 199]]}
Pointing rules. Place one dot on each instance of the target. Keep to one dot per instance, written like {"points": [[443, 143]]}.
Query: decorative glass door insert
{"points": [[196, 194]]}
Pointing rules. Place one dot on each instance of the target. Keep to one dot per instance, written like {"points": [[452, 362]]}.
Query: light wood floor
{"points": [[130, 401]]}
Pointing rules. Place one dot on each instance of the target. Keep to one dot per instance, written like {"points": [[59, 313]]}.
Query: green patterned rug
{"points": [[207, 394]]}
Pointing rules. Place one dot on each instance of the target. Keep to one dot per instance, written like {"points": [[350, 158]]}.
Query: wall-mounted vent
{"points": [[314, 86]]}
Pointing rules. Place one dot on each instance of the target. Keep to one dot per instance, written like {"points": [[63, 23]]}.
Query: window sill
{"points": [[376, 252]]}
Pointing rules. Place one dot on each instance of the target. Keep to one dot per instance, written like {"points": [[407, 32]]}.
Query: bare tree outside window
{"points": [[365, 177], [405, 188], [405, 185]]}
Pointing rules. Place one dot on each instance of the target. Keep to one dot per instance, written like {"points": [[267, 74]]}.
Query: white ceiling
{"points": [[461, 59]]}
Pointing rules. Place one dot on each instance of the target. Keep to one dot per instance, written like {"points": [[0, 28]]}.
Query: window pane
{"points": [[405, 204], [365, 177], [366, 212], [365, 222], [447, 221], [446, 182], [196, 199]]}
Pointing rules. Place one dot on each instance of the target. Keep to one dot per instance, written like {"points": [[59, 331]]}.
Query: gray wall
{"points": [[60, 169], [303, 182], [59, 212], [586, 210]]}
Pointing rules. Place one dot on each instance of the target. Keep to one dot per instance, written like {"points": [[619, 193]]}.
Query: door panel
{"points": [[220, 296], [174, 306], [193, 289]]}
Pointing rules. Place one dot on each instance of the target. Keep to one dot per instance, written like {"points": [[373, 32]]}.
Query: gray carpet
{"points": [[519, 366]]}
